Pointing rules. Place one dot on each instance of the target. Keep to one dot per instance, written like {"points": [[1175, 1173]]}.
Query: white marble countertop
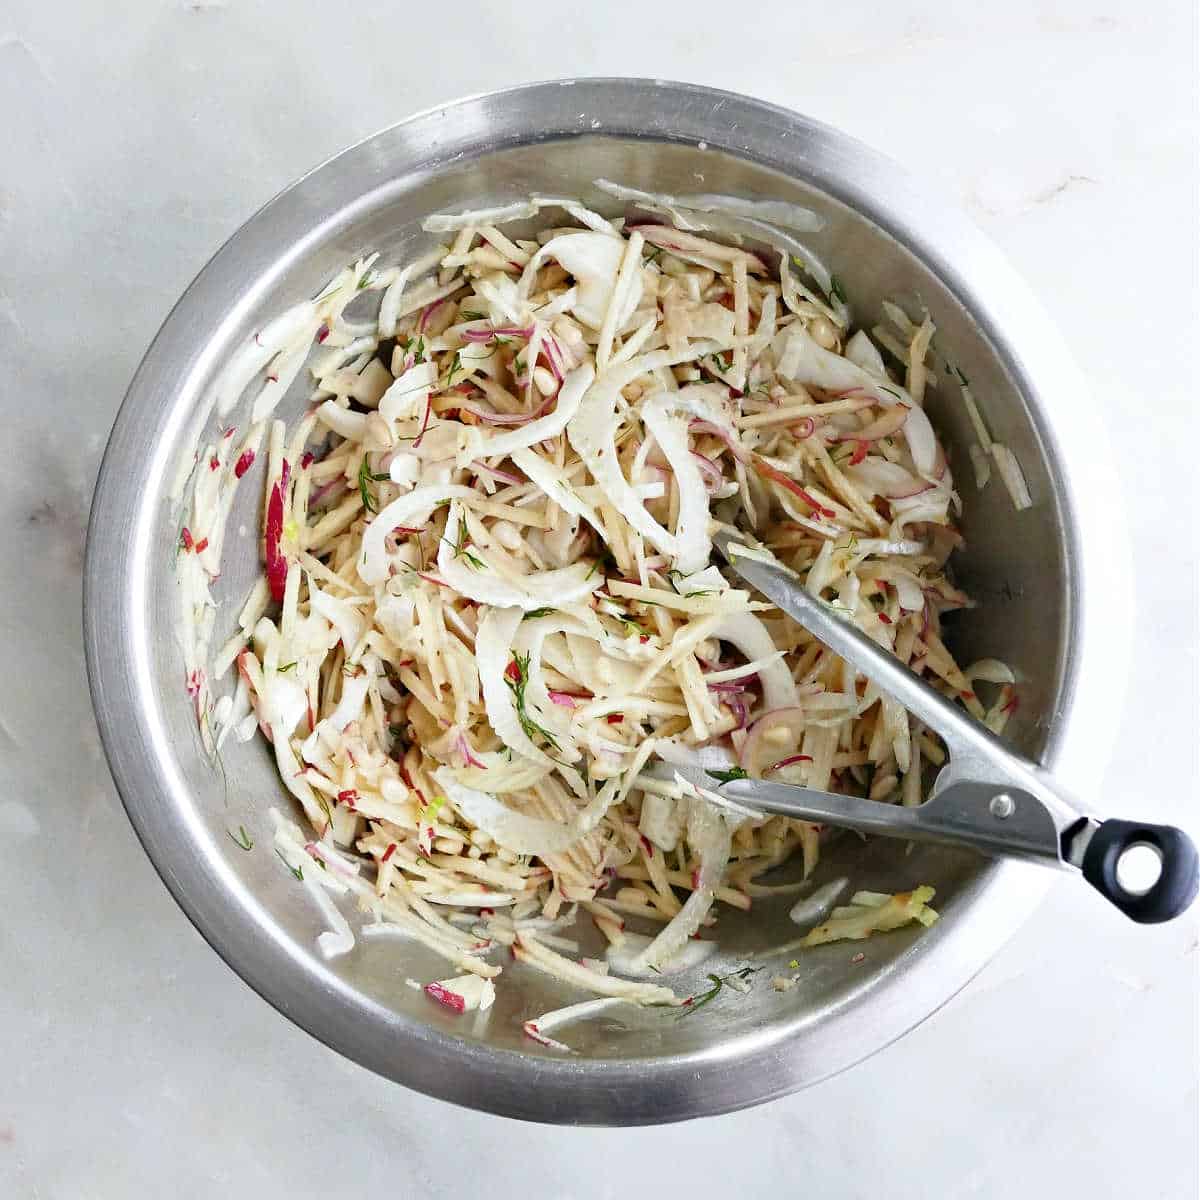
{"points": [[136, 138]]}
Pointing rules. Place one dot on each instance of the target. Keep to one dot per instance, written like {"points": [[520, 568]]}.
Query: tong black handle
{"points": [[1179, 874]]}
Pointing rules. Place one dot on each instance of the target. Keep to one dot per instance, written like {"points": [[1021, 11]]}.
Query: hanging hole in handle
{"points": [[1139, 868]]}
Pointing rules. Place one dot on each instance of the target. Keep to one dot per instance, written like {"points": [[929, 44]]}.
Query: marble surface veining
{"points": [[136, 138]]}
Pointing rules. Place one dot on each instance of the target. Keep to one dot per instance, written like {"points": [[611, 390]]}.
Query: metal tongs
{"points": [[986, 797]]}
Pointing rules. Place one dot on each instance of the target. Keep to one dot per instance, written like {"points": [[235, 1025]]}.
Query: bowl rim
{"points": [[602, 1091]]}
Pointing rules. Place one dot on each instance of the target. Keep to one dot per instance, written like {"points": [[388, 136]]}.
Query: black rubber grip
{"points": [[1178, 880]]}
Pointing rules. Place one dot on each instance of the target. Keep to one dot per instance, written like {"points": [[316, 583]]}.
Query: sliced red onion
{"points": [[790, 761], [428, 312], [726, 435], [566, 406], [487, 335], [750, 679], [503, 476], [552, 353], [494, 418], [463, 746], [732, 687], [737, 706], [712, 473]]}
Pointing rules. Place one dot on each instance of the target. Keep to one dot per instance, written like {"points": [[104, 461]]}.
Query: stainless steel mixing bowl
{"points": [[1025, 569]]}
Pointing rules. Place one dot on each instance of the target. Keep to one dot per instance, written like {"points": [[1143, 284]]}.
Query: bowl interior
{"points": [[1015, 566]]}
